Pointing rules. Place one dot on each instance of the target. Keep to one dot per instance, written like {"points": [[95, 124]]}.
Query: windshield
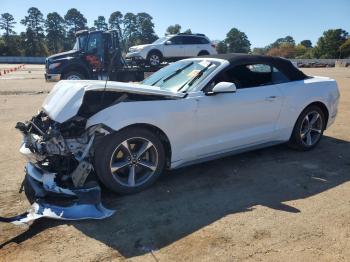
{"points": [[160, 40], [80, 42], [181, 75]]}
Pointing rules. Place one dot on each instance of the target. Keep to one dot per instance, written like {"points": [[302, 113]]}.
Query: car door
{"points": [[192, 46], [230, 121], [197, 44], [174, 47]]}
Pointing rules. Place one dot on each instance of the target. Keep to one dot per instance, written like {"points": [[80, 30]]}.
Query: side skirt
{"points": [[181, 163]]}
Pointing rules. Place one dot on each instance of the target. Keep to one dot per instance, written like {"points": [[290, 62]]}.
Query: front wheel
{"points": [[308, 129], [73, 75], [154, 58], [129, 161]]}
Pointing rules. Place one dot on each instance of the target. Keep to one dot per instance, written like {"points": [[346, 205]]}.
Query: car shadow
{"points": [[188, 199]]}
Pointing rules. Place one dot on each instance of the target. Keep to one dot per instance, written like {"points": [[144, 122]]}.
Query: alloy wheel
{"points": [[154, 60], [73, 77], [134, 162], [311, 128]]}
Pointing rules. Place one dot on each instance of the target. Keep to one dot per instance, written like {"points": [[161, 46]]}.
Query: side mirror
{"points": [[168, 42], [223, 87]]}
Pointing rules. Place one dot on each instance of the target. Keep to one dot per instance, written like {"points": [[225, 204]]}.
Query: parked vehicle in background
{"points": [[94, 53], [172, 47]]}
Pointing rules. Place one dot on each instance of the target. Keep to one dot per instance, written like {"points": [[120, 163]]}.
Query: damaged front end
{"points": [[59, 142], [60, 181]]}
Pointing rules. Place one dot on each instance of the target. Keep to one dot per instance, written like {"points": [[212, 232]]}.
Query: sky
{"points": [[262, 21]]}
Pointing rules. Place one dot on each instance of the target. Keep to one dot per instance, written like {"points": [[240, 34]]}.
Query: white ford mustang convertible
{"points": [[194, 110]]}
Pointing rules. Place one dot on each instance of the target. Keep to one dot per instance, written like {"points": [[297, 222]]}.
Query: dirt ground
{"points": [[274, 204]]}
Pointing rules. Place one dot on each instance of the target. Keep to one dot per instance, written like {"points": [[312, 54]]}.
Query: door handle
{"points": [[271, 98]]}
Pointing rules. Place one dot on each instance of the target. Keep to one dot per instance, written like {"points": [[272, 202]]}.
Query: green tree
{"points": [[138, 29], [34, 44], [328, 45], [116, 21], [173, 29], [145, 28], [286, 50], [300, 50], [75, 22], [130, 28], [7, 23], [55, 29], [237, 41], [188, 31], [100, 23], [306, 43], [259, 51], [283, 40], [34, 21], [11, 46], [345, 49], [221, 47]]}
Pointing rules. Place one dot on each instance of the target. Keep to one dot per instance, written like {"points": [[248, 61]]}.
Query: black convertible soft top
{"points": [[282, 64]]}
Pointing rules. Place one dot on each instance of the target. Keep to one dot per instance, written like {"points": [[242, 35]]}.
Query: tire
{"points": [[131, 173], [154, 58], [73, 75], [201, 53], [306, 135]]}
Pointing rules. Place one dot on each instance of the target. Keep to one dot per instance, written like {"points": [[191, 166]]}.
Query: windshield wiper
{"points": [[178, 71], [200, 73]]}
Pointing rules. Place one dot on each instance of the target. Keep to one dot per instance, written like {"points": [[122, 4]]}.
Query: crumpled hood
{"points": [[65, 99]]}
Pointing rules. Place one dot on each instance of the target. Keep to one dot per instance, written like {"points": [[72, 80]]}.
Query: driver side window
{"points": [[221, 77], [249, 75]]}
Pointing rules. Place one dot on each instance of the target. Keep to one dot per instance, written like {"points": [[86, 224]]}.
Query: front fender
{"points": [[176, 118]]}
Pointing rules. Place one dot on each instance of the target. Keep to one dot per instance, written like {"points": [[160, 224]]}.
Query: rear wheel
{"points": [[308, 129], [130, 160], [203, 53], [73, 75]]}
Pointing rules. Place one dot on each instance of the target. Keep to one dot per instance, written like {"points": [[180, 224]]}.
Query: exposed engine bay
{"points": [[60, 181]]}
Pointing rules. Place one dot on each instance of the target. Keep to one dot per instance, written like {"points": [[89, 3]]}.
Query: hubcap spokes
{"points": [[154, 60], [73, 77], [134, 161], [311, 128]]}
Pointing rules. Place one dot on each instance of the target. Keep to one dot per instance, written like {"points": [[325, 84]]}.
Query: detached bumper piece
{"points": [[75, 212], [53, 201]]}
